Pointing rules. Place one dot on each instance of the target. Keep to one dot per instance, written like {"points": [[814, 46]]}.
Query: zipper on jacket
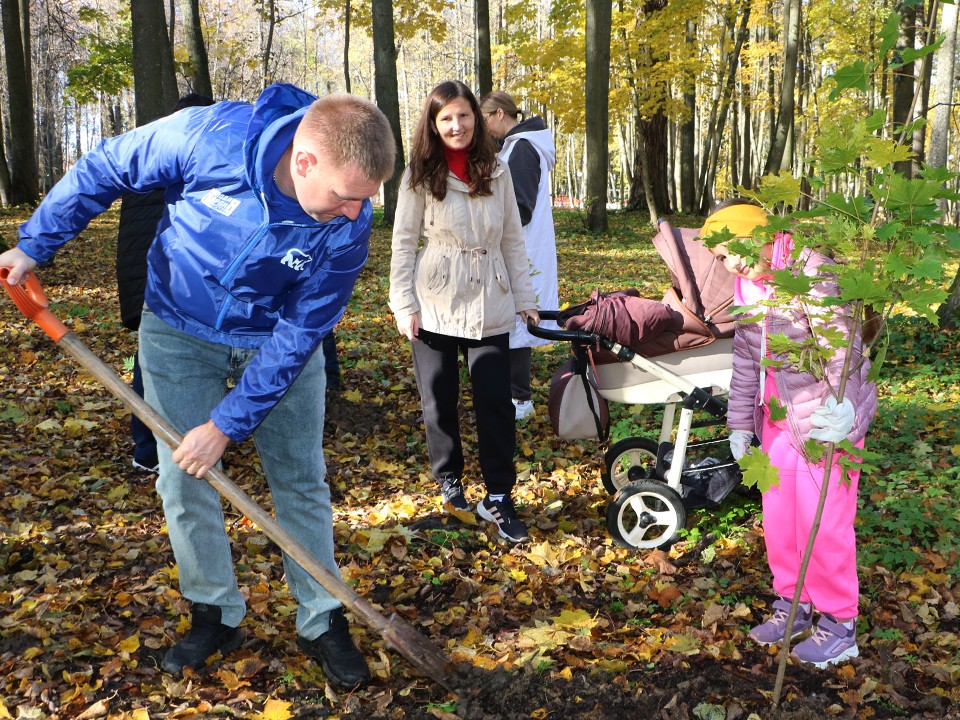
{"points": [[231, 271]]}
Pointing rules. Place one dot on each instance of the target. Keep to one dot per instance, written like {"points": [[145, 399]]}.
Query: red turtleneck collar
{"points": [[457, 162]]}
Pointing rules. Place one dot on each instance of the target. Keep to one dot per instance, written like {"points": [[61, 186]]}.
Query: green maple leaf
{"points": [[778, 411], [855, 76], [758, 472]]}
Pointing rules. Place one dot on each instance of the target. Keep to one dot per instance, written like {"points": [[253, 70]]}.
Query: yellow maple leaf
{"points": [[579, 619], [130, 644], [276, 710], [230, 680], [542, 554], [353, 396]]}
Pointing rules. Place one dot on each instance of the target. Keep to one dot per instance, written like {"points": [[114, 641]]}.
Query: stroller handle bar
{"points": [[558, 335]]}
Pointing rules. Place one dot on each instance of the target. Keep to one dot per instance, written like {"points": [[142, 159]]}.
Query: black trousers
{"points": [[436, 366], [521, 361]]}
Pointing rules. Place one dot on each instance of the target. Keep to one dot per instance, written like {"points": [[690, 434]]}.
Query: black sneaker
{"points": [[207, 636], [504, 515], [342, 662], [151, 465], [451, 491]]}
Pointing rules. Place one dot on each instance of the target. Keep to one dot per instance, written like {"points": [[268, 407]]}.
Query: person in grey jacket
{"points": [[458, 277], [786, 406]]}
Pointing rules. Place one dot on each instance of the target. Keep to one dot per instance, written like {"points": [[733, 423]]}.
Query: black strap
{"points": [[588, 388]]}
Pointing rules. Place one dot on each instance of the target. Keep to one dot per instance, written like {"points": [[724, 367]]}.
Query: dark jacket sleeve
{"points": [[524, 165], [139, 217]]}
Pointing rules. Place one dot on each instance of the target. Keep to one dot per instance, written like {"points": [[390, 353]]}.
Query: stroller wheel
{"points": [[646, 515], [629, 460]]}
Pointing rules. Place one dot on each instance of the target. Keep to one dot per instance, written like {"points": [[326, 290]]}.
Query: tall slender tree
{"points": [[483, 59], [783, 127], [21, 154], [904, 77], [385, 85], [199, 70], [154, 81], [346, 46], [598, 29]]}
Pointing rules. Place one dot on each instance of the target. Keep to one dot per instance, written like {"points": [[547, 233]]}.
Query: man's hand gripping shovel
{"points": [[396, 632]]}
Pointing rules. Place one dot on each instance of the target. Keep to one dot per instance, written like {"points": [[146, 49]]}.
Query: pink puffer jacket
{"points": [[800, 391]]}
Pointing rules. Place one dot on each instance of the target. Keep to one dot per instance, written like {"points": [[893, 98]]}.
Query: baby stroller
{"points": [[677, 351]]}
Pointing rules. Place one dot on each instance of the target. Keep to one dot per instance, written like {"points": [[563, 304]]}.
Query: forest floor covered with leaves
{"points": [[567, 625]]}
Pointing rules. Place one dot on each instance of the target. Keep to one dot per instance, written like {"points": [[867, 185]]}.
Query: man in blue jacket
{"points": [[265, 230]]}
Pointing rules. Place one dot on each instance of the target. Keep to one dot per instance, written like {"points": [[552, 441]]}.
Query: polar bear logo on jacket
{"points": [[296, 259]]}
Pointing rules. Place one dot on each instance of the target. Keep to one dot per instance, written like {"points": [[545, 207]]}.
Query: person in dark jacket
{"points": [[265, 230], [528, 149], [139, 216]]}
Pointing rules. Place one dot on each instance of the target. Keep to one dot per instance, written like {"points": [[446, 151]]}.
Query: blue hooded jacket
{"points": [[235, 262]]}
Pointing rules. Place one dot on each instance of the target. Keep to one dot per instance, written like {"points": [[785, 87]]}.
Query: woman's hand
{"points": [[409, 326], [529, 316]]}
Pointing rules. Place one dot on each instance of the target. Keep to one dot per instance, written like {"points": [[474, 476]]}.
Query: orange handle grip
{"points": [[32, 302]]}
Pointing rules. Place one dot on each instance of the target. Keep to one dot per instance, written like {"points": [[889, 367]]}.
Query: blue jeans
{"points": [[184, 379]]}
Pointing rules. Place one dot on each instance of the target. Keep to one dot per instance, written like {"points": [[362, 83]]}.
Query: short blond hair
{"points": [[351, 131]]}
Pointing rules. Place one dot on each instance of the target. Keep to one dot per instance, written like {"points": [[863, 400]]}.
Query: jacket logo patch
{"points": [[296, 259], [218, 202]]}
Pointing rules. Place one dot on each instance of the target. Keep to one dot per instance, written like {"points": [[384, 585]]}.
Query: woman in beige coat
{"points": [[458, 277]]}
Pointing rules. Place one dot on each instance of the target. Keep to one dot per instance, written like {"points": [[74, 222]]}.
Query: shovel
{"points": [[396, 632]]}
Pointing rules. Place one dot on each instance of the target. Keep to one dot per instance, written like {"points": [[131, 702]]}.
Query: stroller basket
{"points": [[677, 352]]}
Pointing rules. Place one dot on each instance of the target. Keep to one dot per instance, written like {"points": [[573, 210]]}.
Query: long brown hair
{"points": [[428, 167]]}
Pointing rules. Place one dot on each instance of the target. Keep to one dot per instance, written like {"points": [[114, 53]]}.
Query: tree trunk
{"points": [[22, 159], [688, 139], [271, 12], [919, 144], [718, 119], [199, 71], [746, 143], [483, 61], [943, 90], [949, 311], [903, 79], [385, 84], [598, 28], [154, 82], [784, 124], [346, 47], [4, 170]]}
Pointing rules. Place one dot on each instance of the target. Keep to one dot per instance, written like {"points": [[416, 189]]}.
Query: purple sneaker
{"points": [[829, 644], [774, 628]]}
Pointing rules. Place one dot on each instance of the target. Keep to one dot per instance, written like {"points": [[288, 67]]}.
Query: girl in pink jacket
{"points": [[759, 394]]}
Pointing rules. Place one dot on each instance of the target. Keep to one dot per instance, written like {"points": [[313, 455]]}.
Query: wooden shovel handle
{"points": [[402, 637]]}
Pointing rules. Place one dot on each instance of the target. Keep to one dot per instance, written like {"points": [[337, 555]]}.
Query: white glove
{"points": [[832, 421], [739, 442]]}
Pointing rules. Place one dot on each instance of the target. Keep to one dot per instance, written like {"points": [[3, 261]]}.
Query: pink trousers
{"points": [[831, 582]]}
